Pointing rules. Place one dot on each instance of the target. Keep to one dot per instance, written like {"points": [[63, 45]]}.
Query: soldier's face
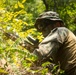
{"points": [[46, 30]]}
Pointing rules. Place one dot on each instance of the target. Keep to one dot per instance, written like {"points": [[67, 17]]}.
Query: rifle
{"points": [[29, 44]]}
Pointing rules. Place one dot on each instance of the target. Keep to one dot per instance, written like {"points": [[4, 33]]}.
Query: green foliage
{"points": [[18, 17], [15, 19], [66, 10], [2, 71]]}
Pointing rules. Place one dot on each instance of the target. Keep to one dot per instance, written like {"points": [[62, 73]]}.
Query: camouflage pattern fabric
{"points": [[60, 45]]}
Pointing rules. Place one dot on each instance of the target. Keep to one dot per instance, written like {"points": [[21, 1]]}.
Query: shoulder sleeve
{"points": [[50, 45]]}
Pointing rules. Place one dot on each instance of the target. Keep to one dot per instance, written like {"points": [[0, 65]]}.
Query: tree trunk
{"points": [[46, 5]]}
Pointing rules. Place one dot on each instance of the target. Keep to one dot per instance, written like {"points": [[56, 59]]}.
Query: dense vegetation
{"points": [[18, 17]]}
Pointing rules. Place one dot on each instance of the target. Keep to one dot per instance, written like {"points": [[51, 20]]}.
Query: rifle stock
{"points": [[31, 44]]}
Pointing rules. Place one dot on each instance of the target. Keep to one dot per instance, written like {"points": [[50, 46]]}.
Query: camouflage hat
{"points": [[50, 15]]}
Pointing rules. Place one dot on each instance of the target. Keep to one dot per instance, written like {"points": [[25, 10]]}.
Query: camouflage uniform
{"points": [[60, 45]]}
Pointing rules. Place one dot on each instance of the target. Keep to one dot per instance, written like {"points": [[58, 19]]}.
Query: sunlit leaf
{"points": [[23, 1], [16, 6], [20, 5]]}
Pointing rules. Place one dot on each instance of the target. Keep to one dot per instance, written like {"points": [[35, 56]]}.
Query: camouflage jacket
{"points": [[60, 45]]}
